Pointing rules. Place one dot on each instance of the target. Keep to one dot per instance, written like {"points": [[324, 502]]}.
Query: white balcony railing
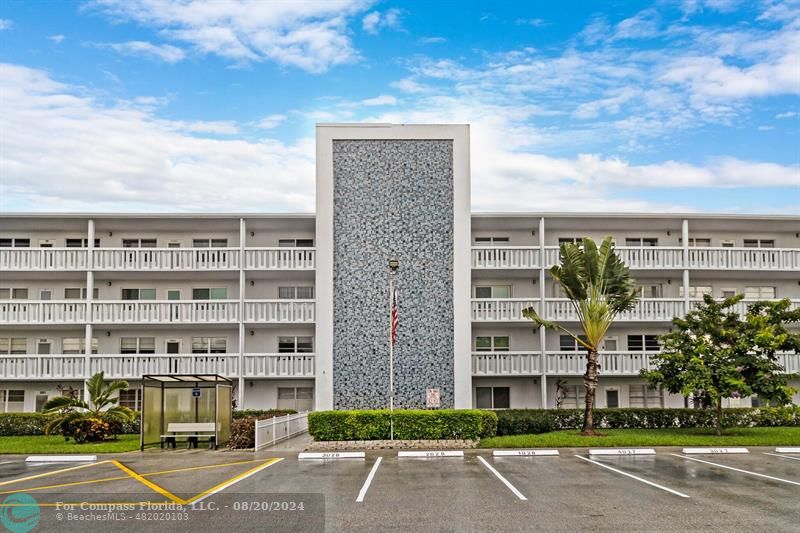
{"points": [[134, 366], [165, 312], [501, 257], [506, 363], [611, 363], [742, 305], [501, 309], [284, 365], [279, 258], [745, 258], [42, 312], [646, 310], [166, 259], [636, 257], [42, 259], [279, 311]]}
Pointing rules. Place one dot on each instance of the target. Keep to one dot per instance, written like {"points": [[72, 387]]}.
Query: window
{"points": [[728, 293], [295, 344], [209, 243], [569, 240], [137, 345], [76, 345], [296, 243], [566, 343], [641, 241], [174, 244], [697, 242], [14, 345], [574, 396], [45, 294], [610, 344], [727, 243], [296, 293], [174, 294], [14, 294], [80, 243], [46, 243], [12, 401], [209, 344], [759, 293], [138, 294], [139, 243], [612, 398], [639, 343], [492, 397], [489, 241], [697, 291], [645, 396], [649, 291], [131, 398], [15, 243], [759, 243], [499, 291], [297, 398], [498, 343], [219, 293], [74, 293]]}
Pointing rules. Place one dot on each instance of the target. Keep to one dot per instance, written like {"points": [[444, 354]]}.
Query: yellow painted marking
{"points": [[234, 479], [164, 492], [52, 473]]}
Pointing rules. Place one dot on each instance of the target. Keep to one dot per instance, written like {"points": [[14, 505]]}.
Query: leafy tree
{"points": [[599, 286], [74, 416], [714, 353]]}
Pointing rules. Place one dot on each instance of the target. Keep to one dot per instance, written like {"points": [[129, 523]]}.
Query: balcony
{"points": [[133, 366], [646, 310], [611, 363], [279, 311], [165, 312], [501, 309], [506, 363], [505, 257], [42, 312], [279, 258], [745, 258], [31, 259], [166, 259], [636, 257]]}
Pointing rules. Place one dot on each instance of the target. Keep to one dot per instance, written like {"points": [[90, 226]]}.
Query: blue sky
{"points": [[139, 105]]}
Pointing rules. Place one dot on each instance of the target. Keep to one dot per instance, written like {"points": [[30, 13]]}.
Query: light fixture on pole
{"points": [[393, 266]]}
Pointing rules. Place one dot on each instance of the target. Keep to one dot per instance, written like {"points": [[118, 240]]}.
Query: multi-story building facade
{"points": [[295, 308]]}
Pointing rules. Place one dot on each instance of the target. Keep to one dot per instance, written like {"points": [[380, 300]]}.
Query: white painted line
{"points": [[788, 450], [524, 453], [432, 453], [784, 456], [45, 474], [506, 482], [363, 491], [61, 459], [7, 462], [656, 485], [738, 469], [690, 451], [235, 480], [622, 451], [332, 455]]}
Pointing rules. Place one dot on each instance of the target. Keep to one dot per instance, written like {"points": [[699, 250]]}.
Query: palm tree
{"points": [[101, 404], [599, 286]]}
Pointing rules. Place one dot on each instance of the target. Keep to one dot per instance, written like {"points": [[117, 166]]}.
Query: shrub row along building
{"points": [[295, 307]]}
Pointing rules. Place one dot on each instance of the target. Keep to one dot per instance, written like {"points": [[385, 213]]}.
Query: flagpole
{"points": [[393, 264]]}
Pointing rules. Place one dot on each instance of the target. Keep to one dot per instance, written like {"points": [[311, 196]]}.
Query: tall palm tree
{"points": [[599, 286], [101, 404]]}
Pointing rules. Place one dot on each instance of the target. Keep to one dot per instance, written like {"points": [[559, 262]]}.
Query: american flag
{"points": [[395, 317]]}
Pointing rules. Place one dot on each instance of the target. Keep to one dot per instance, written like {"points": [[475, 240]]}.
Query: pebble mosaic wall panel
{"points": [[392, 198]]}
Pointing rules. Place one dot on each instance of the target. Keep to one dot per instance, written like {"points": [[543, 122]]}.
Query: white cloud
{"points": [[787, 114], [5, 24], [384, 99], [407, 85], [535, 22], [766, 128], [312, 36], [375, 21], [58, 39], [164, 52], [432, 40], [271, 121], [610, 105], [643, 25]]}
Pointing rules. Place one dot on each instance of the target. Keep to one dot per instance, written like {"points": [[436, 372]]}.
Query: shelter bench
{"points": [[193, 431]]}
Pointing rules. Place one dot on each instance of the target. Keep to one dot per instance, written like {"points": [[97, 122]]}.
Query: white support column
{"points": [[542, 338], [88, 302], [685, 237], [242, 281]]}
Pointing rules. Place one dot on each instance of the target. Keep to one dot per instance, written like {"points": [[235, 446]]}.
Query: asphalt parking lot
{"points": [[196, 490]]}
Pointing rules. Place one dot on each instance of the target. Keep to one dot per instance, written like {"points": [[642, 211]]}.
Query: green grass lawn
{"points": [[56, 444], [780, 436]]}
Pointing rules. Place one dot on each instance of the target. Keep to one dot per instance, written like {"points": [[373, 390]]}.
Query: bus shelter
{"points": [[186, 408]]}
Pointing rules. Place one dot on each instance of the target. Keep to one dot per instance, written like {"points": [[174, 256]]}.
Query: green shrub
{"points": [[488, 424], [409, 424], [261, 414], [26, 424]]}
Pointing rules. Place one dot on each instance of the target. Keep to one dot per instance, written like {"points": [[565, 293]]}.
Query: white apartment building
{"points": [[295, 307]]}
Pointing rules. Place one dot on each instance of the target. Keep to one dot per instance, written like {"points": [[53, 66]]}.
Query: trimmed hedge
{"points": [[26, 424], [533, 421], [261, 414], [409, 424]]}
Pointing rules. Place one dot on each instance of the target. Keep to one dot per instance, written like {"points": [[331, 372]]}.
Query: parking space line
{"points": [[656, 485], [363, 491], [784, 456], [6, 462], [161, 490], [738, 469], [506, 482], [44, 474], [225, 484]]}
